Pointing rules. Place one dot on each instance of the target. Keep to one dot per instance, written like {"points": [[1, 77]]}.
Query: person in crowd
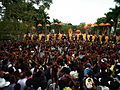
{"points": [[60, 63]]}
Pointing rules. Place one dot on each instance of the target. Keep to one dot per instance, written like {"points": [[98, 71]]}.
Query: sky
{"points": [[78, 11]]}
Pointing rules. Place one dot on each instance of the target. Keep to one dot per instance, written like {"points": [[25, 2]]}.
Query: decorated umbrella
{"points": [[95, 24], [33, 27], [89, 24], [39, 25], [102, 24], [85, 27], [47, 25], [107, 24], [77, 31]]}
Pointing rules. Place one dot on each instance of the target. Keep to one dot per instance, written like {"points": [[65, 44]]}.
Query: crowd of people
{"points": [[60, 63]]}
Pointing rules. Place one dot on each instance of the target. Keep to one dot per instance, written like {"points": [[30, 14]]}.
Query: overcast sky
{"points": [[77, 11]]}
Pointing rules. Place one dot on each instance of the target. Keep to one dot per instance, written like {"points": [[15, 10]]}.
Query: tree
{"points": [[20, 12], [101, 20], [113, 16], [117, 1]]}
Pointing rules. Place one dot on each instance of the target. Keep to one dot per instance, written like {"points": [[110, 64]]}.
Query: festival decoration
{"points": [[107, 24], [39, 25], [95, 24], [89, 24], [85, 27], [33, 27], [77, 31], [47, 25], [102, 24]]}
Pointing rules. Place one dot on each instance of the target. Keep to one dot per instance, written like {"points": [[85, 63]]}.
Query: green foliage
{"points": [[113, 16], [101, 20], [117, 1], [56, 21], [17, 13], [11, 30]]}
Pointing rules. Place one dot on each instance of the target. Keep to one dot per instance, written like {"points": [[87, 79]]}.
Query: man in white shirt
{"points": [[22, 81]]}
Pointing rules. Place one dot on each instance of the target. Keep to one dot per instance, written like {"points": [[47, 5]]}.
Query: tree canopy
{"points": [[117, 1], [15, 14], [113, 16]]}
